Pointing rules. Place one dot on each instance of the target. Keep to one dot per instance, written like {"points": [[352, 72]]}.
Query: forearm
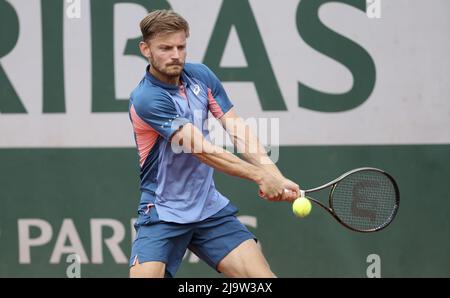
{"points": [[249, 146], [230, 164], [220, 159]]}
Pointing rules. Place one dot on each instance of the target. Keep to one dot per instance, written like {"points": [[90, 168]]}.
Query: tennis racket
{"points": [[362, 200]]}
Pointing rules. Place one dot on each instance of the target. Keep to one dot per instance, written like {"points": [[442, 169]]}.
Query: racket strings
{"points": [[365, 200]]}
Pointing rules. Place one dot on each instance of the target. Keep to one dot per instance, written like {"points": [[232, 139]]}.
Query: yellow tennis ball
{"points": [[301, 207]]}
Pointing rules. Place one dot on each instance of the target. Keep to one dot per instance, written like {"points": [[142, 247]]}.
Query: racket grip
{"points": [[261, 194]]}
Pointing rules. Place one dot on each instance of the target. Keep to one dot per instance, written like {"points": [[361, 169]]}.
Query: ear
{"points": [[145, 49]]}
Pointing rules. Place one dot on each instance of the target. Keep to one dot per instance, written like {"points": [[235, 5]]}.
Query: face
{"points": [[167, 54]]}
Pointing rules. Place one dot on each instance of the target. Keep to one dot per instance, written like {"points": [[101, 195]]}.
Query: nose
{"points": [[176, 54]]}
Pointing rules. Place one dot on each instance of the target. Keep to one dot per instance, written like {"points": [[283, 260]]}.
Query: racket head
{"points": [[365, 199]]}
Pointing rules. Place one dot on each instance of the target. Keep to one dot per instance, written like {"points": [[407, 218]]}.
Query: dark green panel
{"points": [[81, 184], [53, 57], [10, 103]]}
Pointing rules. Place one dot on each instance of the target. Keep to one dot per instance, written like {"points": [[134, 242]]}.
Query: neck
{"points": [[164, 78]]}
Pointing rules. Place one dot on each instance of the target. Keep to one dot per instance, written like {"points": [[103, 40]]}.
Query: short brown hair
{"points": [[162, 21]]}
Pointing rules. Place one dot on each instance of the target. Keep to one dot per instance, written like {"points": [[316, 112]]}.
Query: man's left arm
{"points": [[243, 138], [248, 144]]}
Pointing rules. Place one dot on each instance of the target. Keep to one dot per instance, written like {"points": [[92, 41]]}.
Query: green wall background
{"points": [[54, 184]]}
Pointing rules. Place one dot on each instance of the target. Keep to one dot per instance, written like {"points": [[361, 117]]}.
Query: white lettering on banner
{"points": [[112, 243], [25, 240], [68, 233], [397, 111]]}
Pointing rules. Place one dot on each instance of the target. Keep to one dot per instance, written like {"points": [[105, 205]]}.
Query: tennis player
{"points": [[180, 207]]}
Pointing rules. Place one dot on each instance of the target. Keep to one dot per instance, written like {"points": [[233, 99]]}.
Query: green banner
{"points": [[55, 202]]}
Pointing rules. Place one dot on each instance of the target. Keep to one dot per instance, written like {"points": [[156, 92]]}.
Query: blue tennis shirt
{"points": [[179, 185]]}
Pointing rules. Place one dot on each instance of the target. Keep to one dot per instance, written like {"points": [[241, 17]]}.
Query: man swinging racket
{"points": [[180, 207]]}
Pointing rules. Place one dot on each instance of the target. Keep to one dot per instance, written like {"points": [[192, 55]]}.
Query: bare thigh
{"points": [[246, 260], [148, 270]]}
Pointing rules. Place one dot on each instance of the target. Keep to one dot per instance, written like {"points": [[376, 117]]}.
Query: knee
{"points": [[266, 273]]}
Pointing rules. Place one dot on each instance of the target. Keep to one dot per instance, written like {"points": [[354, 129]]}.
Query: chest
{"points": [[192, 103]]}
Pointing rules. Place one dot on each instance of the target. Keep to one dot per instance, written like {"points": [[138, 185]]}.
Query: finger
{"points": [[273, 198], [287, 193], [295, 195]]}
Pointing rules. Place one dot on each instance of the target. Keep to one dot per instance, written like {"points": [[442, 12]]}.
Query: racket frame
{"points": [[334, 183]]}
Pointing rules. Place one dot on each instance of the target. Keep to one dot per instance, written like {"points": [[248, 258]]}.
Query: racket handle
{"points": [[261, 194]]}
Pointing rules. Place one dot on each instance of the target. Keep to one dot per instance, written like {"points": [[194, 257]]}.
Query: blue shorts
{"points": [[211, 239]]}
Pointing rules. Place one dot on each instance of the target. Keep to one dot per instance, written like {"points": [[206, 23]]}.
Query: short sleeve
{"points": [[160, 113], [218, 100]]}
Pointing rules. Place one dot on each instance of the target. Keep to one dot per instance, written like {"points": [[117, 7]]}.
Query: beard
{"points": [[173, 69]]}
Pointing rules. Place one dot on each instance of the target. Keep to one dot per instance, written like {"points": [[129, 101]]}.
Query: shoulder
{"points": [[200, 71], [147, 97]]}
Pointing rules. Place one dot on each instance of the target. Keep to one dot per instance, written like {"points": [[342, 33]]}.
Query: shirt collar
{"points": [[155, 81]]}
